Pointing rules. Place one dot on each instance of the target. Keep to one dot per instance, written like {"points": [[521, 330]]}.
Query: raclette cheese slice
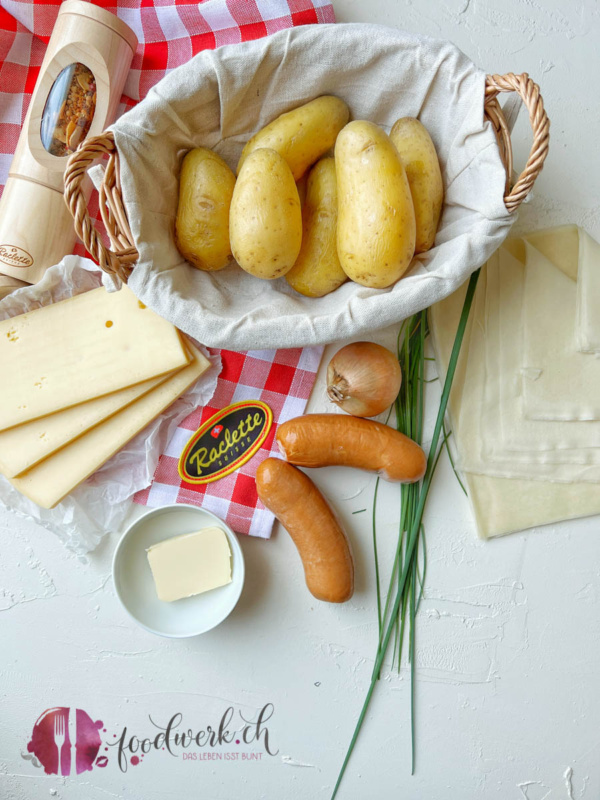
{"points": [[81, 348], [52, 479], [26, 445]]}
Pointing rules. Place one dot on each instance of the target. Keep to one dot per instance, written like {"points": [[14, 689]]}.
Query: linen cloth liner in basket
{"points": [[220, 98]]}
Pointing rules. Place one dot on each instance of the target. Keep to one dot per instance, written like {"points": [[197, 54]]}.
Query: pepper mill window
{"points": [[69, 110]]}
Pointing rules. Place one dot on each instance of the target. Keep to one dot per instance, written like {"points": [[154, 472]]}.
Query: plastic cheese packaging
{"points": [[78, 349], [26, 445], [190, 564], [52, 479]]}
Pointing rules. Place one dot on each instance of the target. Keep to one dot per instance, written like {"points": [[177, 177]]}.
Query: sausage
{"points": [[307, 517], [326, 440]]}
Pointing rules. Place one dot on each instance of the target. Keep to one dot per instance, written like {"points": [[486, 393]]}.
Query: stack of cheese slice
{"points": [[81, 378], [525, 403]]}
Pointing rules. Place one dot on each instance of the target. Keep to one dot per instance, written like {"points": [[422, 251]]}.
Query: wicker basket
{"points": [[121, 257]]}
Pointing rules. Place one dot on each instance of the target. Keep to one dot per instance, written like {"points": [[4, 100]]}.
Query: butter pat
{"points": [[190, 564]]}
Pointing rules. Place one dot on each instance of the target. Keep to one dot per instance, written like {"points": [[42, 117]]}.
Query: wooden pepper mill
{"points": [[76, 95]]}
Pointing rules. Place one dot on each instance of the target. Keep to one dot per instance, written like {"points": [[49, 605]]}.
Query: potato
{"points": [[301, 186], [420, 160], [265, 221], [376, 219], [202, 224], [303, 135], [317, 270]]}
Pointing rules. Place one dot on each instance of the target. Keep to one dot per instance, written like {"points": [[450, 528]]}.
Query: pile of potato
{"points": [[318, 220]]}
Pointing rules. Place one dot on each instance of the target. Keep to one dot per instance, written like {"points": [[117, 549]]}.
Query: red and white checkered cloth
{"points": [[283, 379], [170, 32]]}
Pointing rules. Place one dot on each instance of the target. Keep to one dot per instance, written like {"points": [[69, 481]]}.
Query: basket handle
{"points": [[529, 92], [120, 260]]}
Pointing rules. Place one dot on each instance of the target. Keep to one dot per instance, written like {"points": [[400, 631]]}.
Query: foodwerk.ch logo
{"points": [[67, 741]]}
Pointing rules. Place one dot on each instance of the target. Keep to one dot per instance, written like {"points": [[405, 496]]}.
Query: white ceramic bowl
{"points": [[135, 586]]}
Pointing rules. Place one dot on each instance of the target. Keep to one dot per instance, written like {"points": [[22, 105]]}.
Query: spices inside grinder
{"points": [[69, 110]]}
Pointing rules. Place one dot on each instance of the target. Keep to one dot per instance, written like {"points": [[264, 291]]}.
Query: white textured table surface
{"points": [[509, 632]]}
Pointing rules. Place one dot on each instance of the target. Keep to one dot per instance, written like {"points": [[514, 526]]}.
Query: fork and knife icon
{"points": [[62, 724]]}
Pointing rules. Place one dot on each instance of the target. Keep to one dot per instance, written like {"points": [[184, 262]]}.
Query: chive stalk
{"points": [[409, 408]]}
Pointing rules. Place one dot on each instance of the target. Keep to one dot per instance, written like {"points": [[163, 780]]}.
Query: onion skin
{"points": [[363, 379]]}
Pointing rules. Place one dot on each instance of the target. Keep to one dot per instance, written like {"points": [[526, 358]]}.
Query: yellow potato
{"points": [[317, 270], [202, 224], [420, 160], [376, 219], [265, 222], [303, 135], [301, 186]]}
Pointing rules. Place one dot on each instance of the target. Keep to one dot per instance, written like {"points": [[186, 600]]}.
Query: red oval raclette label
{"points": [[225, 441]]}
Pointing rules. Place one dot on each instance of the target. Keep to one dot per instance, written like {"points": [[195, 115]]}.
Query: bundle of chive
{"points": [[406, 583]]}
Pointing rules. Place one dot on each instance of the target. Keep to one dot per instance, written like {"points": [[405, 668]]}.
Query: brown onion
{"points": [[363, 379]]}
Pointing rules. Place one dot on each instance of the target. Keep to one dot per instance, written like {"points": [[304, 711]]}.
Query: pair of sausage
{"points": [[322, 440]]}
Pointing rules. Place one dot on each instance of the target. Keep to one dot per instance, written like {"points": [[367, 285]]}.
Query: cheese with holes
{"points": [[190, 564], [26, 445], [52, 479], [81, 348]]}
